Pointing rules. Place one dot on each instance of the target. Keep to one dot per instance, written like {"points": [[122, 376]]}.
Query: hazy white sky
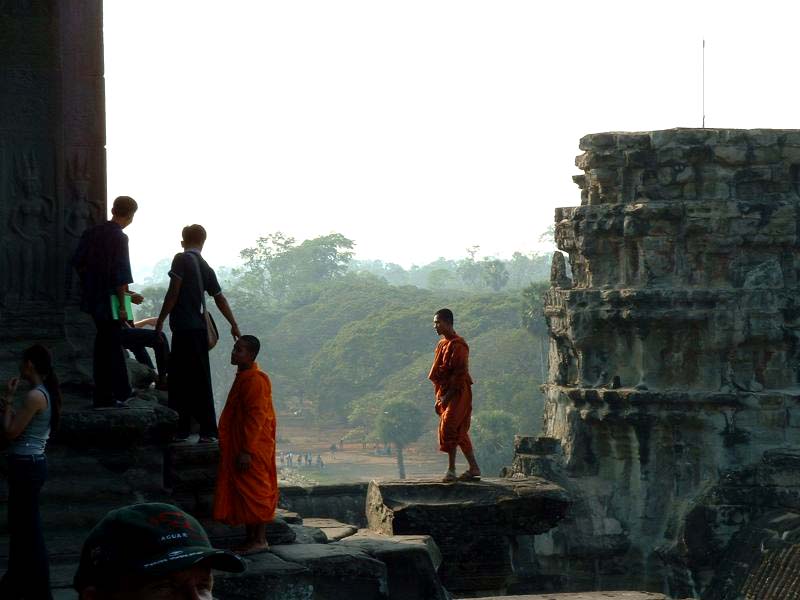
{"points": [[416, 128]]}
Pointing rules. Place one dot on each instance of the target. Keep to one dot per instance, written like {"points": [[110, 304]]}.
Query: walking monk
{"points": [[452, 386], [247, 480]]}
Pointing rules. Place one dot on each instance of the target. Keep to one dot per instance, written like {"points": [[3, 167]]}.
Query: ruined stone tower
{"points": [[675, 348]]}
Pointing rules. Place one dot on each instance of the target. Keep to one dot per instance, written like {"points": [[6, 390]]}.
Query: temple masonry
{"points": [[52, 174], [672, 407], [670, 457]]}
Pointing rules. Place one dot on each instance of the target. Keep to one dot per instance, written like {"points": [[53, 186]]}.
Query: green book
{"points": [[115, 307]]}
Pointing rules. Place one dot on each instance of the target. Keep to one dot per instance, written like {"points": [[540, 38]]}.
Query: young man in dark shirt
{"points": [[190, 392], [103, 265]]}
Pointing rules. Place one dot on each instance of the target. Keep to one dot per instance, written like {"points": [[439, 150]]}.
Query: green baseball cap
{"points": [[150, 540]]}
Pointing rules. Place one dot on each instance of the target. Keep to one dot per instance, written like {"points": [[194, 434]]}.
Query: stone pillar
{"points": [[52, 174], [675, 347]]}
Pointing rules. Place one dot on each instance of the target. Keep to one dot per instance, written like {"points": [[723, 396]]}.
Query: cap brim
{"points": [[177, 560]]}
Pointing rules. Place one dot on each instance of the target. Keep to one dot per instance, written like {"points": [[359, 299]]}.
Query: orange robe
{"points": [[247, 424], [450, 371]]}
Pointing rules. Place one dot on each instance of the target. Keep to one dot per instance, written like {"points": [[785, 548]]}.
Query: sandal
{"points": [[469, 476], [449, 477]]}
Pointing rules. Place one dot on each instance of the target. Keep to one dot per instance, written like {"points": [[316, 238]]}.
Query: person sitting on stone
{"points": [[452, 386], [150, 551], [247, 478], [138, 338]]}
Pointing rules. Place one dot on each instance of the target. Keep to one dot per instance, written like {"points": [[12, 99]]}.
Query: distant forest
{"points": [[351, 341]]}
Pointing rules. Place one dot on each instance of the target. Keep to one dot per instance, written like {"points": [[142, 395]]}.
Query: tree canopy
{"points": [[351, 342]]}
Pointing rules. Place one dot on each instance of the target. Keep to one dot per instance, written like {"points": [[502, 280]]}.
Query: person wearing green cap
{"points": [[151, 551]]}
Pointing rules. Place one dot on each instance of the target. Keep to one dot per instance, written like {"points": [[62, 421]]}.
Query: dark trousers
{"points": [[110, 371], [137, 339], [190, 393], [28, 574]]}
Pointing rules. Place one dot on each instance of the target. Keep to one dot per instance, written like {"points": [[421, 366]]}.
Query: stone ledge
{"points": [[627, 397], [471, 523], [142, 422], [510, 507], [335, 568], [584, 596]]}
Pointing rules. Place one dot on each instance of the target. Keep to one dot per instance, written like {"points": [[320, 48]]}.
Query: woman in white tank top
{"points": [[27, 425]]}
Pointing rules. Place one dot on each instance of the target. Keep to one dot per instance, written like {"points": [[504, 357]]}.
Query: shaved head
{"points": [[445, 314], [251, 343]]}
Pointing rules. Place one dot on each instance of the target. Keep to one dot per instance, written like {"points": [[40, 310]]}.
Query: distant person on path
{"points": [[138, 338], [247, 479], [104, 268], [27, 426], [150, 552], [190, 392], [453, 390]]}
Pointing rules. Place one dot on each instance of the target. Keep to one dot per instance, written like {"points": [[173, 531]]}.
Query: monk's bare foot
{"points": [[450, 476], [470, 475], [251, 548]]}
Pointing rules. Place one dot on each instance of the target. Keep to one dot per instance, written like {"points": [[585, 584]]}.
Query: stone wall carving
{"points": [[52, 173], [675, 346]]}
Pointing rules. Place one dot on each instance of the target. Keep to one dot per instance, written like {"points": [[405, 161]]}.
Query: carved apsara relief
{"points": [[29, 218]]}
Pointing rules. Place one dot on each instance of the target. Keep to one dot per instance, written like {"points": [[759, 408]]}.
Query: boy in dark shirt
{"points": [[104, 269], [190, 392]]}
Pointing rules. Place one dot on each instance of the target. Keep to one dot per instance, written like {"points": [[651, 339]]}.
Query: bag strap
{"points": [[199, 280]]}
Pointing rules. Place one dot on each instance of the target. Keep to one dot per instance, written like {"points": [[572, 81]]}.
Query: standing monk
{"points": [[247, 480], [452, 386]]}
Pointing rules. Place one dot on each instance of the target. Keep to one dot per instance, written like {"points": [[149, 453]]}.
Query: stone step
{"points": [[334, 530], [363, 566], [471, 523], [621, 595]]}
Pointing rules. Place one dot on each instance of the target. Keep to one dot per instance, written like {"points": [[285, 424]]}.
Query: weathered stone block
{"points": [[338, 571], [538, 445], [267, 577], [333, 529], [343, 502], [410, 569], [470, 522]]}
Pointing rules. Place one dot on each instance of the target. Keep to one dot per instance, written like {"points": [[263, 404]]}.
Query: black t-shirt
{"points": [[188, 311], [103, 265]]}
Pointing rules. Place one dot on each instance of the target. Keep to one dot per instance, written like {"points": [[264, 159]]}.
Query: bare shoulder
{"points": [[35, 400]]}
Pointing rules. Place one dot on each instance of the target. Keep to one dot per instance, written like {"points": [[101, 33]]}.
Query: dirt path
{"points": [[352, 461]]}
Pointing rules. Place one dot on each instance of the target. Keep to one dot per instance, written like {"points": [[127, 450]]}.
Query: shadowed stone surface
{"points": [[278, 531], [333, 529], [674, 354], [424, 540], [762, 560], [52, 175], [309, 535], [411, 563], [470, 522], [585, 596], [338, 571], [267, 577], [343, 502]]}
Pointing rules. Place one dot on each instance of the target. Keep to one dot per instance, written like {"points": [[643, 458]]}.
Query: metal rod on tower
{"points": [[704, 84]]}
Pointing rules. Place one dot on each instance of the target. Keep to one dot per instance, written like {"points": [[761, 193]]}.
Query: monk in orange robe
{"points": [[452, 386], [247, 479]]}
